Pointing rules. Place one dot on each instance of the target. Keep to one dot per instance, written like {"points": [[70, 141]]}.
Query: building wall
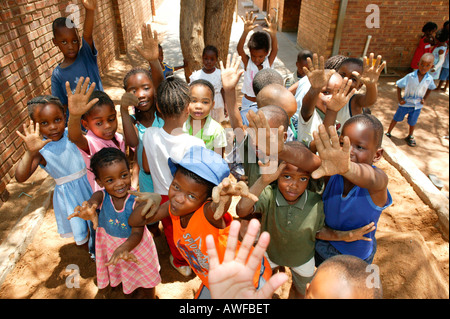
{"points": [[28, 56]]}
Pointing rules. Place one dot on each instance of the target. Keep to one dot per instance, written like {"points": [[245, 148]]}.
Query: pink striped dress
{"points": [[112, 231]]}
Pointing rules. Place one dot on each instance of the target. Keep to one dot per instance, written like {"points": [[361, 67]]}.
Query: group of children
{"points": [[309, 178]]}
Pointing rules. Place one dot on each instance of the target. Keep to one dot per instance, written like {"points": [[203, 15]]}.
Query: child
{"points": [[299, 73], [60, 159], [443, 77], [418, 85], [211, 73], [313, 105], [259, 46], [439, 53], [294, 217], [166, 68], [339, 277], [200, 122], [198, 176], [109, 210], [169, 141], [96, 112], [426, 43], [356, 191], [78, 62]]}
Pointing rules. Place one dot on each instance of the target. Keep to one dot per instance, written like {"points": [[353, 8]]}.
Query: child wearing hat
{"points": [[199, 197]]}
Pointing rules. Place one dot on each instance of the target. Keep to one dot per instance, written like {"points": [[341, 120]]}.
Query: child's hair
{"points": [[276, 114], [303, 55], [211, 48], [371, 121], [445, 24], [61, 22], [172, 96], [204, 83], [354, 271], [266, 77], [441, 35], [259, 41], [105, 157], [135, 71], [429, 26], [103, 99], [197, 179], [356, 61], [334, 62], [43, 100]]}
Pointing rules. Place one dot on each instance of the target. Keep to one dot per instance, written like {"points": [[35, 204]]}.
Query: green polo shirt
{"points": [[292, 228]]}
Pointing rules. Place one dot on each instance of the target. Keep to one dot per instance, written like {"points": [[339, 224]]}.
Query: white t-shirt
{"points": [[216, 80], [159, 147], [249, 75]]}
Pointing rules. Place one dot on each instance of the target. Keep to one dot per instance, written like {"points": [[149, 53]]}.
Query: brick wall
{"points": [[28, 56], [401, 23]]}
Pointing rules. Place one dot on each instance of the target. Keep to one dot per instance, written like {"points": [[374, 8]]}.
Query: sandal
{"points": [[388, 134], [410, 140]]}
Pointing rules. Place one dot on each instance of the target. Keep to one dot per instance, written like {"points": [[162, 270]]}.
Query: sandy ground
{"points": [[412, 256]]}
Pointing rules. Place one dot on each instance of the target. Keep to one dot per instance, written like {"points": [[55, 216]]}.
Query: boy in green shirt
{"points": [[294, 218]]}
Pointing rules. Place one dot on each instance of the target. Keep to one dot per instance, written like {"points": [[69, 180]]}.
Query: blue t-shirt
{"points": [[350, 212], [85, 65]]}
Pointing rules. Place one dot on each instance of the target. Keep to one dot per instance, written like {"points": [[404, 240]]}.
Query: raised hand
{"points": [[149, 49], [89, 4], [340, 96], [86, 212], [316, 72], [249, 21], [152, 202], [271, 25], [268, 173], [272, 144], [79, 101], [128, 99], [335, 159], [231, 73], [223, 192], [32, 138], [233, 278], [371, 71]]}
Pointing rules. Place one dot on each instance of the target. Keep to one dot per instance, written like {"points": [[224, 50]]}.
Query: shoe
{"points": [[184, 270], [388, 134], [410, 140]]}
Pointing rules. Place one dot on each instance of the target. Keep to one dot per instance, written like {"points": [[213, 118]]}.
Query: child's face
{"points": [[51, 121], [201, 102], [258, 56], [430, 32], [68, 41], [102, 121], [364, 148], [115, 178], [209, 61], [300, 64], [292, 183], [425, 65], [142, 87], [186, 195], [347, 70]]}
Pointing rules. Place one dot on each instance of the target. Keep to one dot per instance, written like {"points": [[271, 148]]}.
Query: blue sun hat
{"points": [[203, 162]]}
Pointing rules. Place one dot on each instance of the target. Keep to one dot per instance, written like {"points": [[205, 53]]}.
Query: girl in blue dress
{"points": [[61, 159]]}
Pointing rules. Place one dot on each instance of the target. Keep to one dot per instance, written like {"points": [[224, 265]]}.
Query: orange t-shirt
{"points": [[190, 241]]}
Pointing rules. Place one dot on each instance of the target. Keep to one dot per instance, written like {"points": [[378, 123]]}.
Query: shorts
{"points": [[444, 74], [325, 250], [413, 114], [301, 275]]}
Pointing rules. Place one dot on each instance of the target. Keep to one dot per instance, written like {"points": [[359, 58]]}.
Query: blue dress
{"points": [[67, 167]]}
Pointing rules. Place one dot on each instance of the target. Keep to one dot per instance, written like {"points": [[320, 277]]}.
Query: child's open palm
{"points": [[149, 49], [271, 25], [340, 96], [230, 73], [86, 212], [79, 101], [335, 159], [316, 72], [32, 138], [372, 70], [249, 21]]}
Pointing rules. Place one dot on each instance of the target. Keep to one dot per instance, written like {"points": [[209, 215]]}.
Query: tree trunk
{"points": [[202, 23], [192, 17]]}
